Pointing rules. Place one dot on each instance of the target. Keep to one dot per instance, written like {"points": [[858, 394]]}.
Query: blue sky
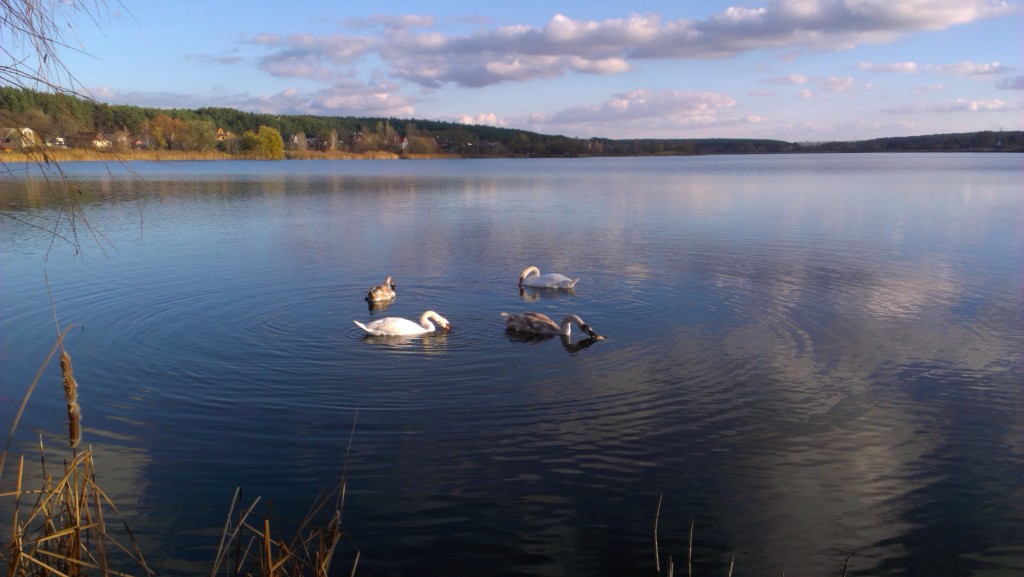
{"points": [[795, 70]]}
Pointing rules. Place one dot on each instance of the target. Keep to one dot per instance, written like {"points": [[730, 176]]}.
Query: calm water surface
{"points": [[808, 356]]}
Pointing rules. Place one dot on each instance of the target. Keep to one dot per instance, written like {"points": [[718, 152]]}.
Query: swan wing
{"points": [[550, 280], [530, 322]]}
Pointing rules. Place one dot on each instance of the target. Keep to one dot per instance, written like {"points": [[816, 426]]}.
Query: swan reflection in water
{"points": [[531, 294], [375, 306], [567, 343], [428, 342]]}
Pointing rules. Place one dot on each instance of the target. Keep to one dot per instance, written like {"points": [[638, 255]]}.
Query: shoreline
{"points": [[86, 155]]}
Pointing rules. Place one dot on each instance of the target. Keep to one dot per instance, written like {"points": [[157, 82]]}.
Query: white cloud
{"points": [[600, 66], [836, 84], [147, 99], [316, 57], [972, 69], [966, 68], [484, 118], [976, 105], [894, 67], [639, 111], [412, 49], [790, 79], [958, 105]]}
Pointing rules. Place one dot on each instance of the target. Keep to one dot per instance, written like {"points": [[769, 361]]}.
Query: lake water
{"points": [[808, 357]]}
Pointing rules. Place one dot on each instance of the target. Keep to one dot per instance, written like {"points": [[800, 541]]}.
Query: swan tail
{"points": [[361, 325], [504, 315], [573, 283]]}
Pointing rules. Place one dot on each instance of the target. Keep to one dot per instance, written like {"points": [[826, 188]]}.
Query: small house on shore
{"points": [[17, 139], [89, 139]]}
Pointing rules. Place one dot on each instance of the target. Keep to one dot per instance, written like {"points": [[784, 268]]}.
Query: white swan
{"points": [[531, 277], [382, 292], [395, 326], [540, 324]]}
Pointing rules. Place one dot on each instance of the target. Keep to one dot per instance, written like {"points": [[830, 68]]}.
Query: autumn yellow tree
{"points": [[267, 143]]}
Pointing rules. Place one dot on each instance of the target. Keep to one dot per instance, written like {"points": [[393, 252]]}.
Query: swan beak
{"points": [[520, 282], [586, 328], [447, 328]]}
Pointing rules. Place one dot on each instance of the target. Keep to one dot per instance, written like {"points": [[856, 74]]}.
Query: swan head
{"points": [[444, 324], [440, 320], [390, 282], [526, 272], [590, 331]]}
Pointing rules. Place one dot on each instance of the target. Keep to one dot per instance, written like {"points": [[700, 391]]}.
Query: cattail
{"points": [[71, 396]]}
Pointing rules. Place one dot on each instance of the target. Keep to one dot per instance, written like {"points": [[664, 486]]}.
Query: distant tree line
{"points": [[53, 115], [983, 141]]}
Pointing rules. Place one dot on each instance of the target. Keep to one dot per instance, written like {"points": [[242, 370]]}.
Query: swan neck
{"points": [[425, 320], [567, 324]]}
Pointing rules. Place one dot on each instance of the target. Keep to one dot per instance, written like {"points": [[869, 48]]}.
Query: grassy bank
{"points": [[88, 155]]}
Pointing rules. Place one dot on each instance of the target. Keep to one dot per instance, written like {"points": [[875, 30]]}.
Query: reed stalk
{"points": [[71, 396], [657, 554], [70, 385], [689, 553]]}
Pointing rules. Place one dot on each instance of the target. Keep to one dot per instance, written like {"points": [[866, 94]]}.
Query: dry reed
{"points": [[71, 396], [61, 528], [247, 546]]}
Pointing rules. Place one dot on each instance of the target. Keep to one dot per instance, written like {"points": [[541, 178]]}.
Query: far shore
{"points": [[59, 155], [87, 155]]}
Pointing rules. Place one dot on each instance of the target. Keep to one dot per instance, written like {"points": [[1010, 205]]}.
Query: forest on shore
{"points": [[67, 121]]}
